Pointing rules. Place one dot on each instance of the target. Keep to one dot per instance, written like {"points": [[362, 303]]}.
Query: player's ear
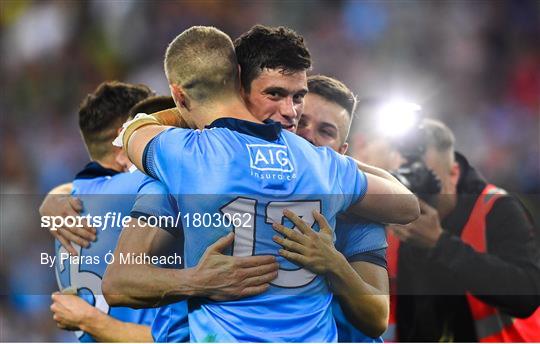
{"points": [[179, 95], [122, 160], [455, 172], [119, 130], [343, 148]]}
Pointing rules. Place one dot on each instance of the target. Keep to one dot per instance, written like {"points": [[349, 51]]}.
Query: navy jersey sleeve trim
{"points": [[370, 248], [363, 188], [147, 158], [377, 257]]}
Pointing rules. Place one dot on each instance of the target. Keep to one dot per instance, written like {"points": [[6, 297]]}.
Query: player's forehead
{"points": [[292, 82], [324, 111]]}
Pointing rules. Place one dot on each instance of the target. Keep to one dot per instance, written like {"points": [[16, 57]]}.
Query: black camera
{"points": [[414, 173]]}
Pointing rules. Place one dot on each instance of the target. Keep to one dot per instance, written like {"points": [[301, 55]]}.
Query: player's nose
{"points": [[288, 110]]}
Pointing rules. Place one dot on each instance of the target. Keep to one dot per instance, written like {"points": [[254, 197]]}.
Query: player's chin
{"points": [[289, 127]]}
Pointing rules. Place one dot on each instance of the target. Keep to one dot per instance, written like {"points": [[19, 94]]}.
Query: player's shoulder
{"points": [[129, 178], [175, 135], [92, 179], [88, 185], [149, 185], [120, 183], [207, 132], [197, 138]]}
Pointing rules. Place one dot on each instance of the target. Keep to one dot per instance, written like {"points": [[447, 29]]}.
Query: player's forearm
{"points": [[141, 130], [137, 140], [365, 306], [146, 285], [104, 328], [386, 199], [379, 172], [63, 189], [171, 117], [50, 203]]}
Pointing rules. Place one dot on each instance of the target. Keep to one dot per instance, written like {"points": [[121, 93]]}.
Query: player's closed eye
{"points": [[327, 132]]}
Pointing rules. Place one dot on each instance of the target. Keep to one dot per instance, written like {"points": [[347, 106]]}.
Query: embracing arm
{"points": [[217, 276], [63, 189], [386, 199], [362, 291], [143, 285], [137, 133], [105, 328], [73, 313], [361, 287], [59, 202], [137, 141]]}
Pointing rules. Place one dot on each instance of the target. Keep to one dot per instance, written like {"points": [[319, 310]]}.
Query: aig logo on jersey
{"points": [[269, 161], [269, 157]]}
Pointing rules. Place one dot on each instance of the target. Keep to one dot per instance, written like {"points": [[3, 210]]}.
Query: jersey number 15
{"points": [[244, 240]]}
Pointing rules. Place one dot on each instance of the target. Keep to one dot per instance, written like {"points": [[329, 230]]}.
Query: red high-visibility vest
{"points": [[390, 335], [491, 324]]}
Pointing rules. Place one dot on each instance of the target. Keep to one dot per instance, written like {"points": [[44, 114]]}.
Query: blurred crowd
{"points": [[473, 64]]}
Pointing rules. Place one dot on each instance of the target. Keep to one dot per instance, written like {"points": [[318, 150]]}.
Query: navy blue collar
{"points": [[93, 170], [268, 131]]}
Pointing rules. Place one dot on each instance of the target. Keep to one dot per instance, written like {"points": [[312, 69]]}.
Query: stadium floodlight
{"points": [[397, 117]]}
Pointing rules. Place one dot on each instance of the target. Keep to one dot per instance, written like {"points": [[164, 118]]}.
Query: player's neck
{"points": [[110, 163], [233, 107]]}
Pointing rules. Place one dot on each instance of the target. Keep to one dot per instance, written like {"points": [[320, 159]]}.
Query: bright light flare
{"points": [[397, 117]]}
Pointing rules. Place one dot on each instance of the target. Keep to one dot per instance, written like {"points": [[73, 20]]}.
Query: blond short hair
{"points": [[441, 138], [438, 135], [202, 61]]}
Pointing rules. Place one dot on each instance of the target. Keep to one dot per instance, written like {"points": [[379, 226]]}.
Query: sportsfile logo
{"points": [[269, 158]]}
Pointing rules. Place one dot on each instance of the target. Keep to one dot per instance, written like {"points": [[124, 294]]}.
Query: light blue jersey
{"points": [[107, 196], [358, 240], [239, 176], [171, 322]]}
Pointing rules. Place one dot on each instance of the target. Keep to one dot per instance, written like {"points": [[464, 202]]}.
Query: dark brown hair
{"points": [[333, 90], [102, 112], [270, 47], [151, 105]]}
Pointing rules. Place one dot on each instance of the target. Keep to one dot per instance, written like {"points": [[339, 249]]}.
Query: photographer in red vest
{"points": [[468, 269]]}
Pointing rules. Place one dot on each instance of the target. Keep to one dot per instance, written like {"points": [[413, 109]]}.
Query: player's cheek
{"points": [[299, 107]]}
